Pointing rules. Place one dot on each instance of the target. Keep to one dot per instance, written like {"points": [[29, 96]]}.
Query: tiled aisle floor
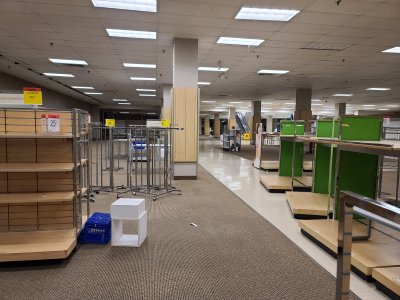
{"points": [[243, 179]]}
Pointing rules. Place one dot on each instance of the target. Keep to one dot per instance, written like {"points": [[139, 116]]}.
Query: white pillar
{"points": [[167, 102], [340, 109], [270, 121], [185, 112]]}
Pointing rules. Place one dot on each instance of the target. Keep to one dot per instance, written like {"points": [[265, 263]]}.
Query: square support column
{"points": [[340, 109], [232, 119], [185, 108], [217, 126], [303, 107], [256, 111]]}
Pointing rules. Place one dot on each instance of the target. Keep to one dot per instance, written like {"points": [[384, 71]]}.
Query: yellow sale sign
{"points": [[110, 122], [166, 123], [33, 96]]}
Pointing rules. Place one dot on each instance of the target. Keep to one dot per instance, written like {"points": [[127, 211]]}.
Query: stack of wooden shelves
{"points": [[44, 176]]}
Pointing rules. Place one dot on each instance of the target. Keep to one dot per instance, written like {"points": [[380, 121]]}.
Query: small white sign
{"points": [[53, 123], [43, 120], [11, 98]]}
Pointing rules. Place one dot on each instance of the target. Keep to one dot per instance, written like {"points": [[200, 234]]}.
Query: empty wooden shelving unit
{"points": [[44, 182]]}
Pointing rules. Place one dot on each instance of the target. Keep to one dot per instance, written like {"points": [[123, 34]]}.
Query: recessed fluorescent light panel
{"points": [[139, 5], [343, 95], [392, 50], [239, 41], [144, 66], [203, 83], [316, 100], [378, 89], [124, 112], [265, 14], [146, 90], [213, 69], [273, 72], [82, 87], [68, 61], [93, 93], [235, 102], [132, 34], [369, 105], [120, 100], [208, 101], [383, 109], [124, 103], [58, 75], [144, 78], [147, 95]]}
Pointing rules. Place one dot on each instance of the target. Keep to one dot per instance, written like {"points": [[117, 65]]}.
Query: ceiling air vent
{"points": [[326, 46]]}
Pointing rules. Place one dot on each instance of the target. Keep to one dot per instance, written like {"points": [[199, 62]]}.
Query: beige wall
{"points": [[51, 99]]}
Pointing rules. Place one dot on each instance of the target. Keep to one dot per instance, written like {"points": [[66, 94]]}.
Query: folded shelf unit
{"points": [[44, 182]]}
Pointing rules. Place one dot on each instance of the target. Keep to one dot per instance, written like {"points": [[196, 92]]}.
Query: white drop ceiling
{"points": [[31, 31]]}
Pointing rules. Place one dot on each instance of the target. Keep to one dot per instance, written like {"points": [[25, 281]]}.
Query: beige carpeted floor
{"points": [[232, 254]]}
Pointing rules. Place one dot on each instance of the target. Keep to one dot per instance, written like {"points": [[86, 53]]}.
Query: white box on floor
{"points": [[128, 209]]}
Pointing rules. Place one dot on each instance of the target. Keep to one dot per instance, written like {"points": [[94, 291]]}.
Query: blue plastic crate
{"points": [[97, 229]]}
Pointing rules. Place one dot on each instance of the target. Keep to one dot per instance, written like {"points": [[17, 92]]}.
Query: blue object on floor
{"points": [[97, 229]]}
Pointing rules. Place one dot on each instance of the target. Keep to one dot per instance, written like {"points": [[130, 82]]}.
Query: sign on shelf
{"points": [[165, 123], [110, 122], [33, 96]]}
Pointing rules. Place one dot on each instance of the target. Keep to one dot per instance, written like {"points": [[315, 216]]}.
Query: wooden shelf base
{"points": [[307, 205], [36, 167], [379, 251], [270, 165], [36, 245], [281, 184], [27, 135], [388, 281], [36, 197]]}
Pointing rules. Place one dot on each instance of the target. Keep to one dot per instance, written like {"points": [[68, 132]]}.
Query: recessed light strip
{"points": [[146, 90], [132, 34], [239, 41], [277, 72], [58, 75], [139, 5], [343, 95], [144, 78], [144, 66], [378, 89], [82, 87], [392, 50], [68, 61], [266, 14], [213, 69]]}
